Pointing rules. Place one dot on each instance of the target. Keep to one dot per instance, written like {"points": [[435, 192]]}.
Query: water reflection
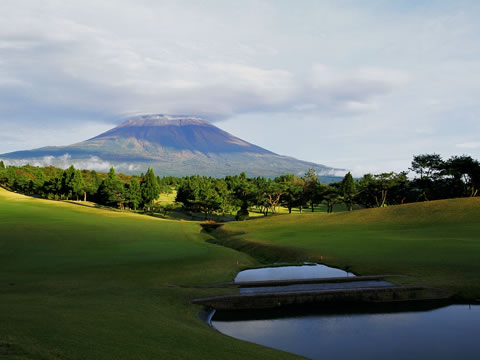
{"points": [[445, 333], [291, 273]]}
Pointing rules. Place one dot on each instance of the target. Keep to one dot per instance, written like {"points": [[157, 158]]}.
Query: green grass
{"points": [[85, 283], [167, 198], [435, 243]]}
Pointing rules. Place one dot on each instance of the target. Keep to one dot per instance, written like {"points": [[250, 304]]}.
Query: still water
{"points": [[451, 332], [291, 273]]}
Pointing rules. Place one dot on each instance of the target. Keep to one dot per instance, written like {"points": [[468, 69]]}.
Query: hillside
{"points": [[83, 283], [79, 282], [171, 145], [434, 243]]}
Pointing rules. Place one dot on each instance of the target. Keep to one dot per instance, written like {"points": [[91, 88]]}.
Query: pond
{"points": [[310, 271], [381, 331], [450, 332]]}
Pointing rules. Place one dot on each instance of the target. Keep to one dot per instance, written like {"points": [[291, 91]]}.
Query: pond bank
{"points": [[295, 292], [372, 327], [404, 325]]}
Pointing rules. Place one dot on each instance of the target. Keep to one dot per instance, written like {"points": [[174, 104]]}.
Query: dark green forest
{"points": [[428, 178]]}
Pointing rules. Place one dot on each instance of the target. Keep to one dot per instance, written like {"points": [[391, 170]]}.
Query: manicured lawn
{"points": [[85, 283], [435, 243], [165, 199]]}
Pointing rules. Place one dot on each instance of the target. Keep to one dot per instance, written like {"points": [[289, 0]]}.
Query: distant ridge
{"points": [[171, 145]]}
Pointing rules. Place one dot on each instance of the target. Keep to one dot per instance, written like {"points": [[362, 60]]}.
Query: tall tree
{"points": [[428, 167], [332, 196], [465, 173], [111, 190], [208, 199], [67, 176], [38, 182], [3, 176], [188, 193], [92, 186], [348, 190], [77, 184], [293, 194], [384, 182], [244, 193], [258, 194], [52, 187], [150, 188], [133, 193], [311, 188], [400, 188], [273, 194], [224, 193], [367, 194], [2, 164]]}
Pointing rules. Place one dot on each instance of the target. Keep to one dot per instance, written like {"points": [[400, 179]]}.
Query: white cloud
{"points": [[433, 102], [65, 161], [379, 79], [357, 106], [88, 60], [469, 145]]}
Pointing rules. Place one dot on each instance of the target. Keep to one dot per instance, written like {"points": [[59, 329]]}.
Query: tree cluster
{"points": [[72, 184], [433, 178], [239, 194]]}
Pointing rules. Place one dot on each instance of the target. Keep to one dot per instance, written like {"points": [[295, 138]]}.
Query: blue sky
{"points": [[362, 85]]}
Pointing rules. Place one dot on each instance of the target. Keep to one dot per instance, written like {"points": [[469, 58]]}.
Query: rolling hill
{"points": [[433, 243], [87, 283]]}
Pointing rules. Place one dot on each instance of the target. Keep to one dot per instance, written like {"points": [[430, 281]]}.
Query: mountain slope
{"points": [[172, 146]]}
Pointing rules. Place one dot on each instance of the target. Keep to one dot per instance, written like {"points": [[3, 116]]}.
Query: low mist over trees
{"points": [[431, 178]]}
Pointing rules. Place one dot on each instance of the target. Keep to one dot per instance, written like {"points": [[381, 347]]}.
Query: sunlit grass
{"points": [[435, 243], [85, 283]]}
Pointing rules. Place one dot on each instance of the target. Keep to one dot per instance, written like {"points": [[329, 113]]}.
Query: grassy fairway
{"points": [[83, 283], [436, 243]]}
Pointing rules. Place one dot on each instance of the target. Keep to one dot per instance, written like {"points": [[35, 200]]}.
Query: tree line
{"points": [[111, 189], [433, 178]]}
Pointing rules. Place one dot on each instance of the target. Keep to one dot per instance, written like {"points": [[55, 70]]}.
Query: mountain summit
{"points": [[171, 145], [157, 133]]}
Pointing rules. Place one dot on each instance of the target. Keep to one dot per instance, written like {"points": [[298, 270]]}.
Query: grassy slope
{"points": [[83, 283], [436, 243]]}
